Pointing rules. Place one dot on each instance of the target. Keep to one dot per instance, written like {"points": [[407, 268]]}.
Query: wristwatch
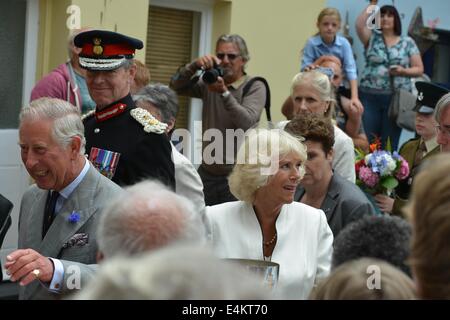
{"points": [[225, 94]]}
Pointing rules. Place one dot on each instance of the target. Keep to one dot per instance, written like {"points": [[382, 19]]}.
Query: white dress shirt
{"points": [[303, 248], [58, 274]]}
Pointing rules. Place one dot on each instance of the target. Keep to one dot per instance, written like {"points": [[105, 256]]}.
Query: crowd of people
{"points": [[117, 212]]}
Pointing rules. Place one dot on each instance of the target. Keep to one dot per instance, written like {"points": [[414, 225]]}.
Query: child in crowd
{"points": [[328, 42]]}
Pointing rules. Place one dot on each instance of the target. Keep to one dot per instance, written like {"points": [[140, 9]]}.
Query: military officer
{"points": [[416, 150], [125, 143]]}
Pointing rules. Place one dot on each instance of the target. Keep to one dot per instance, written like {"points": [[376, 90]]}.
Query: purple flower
{"points": [[74, 217], [368, 177]]}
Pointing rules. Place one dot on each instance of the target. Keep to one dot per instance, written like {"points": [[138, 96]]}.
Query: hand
{"points": [[356, 108], [397, 71], [353, 108], [310, 67], [207, 62], [21, 263], [384, 202], [218, 86]]}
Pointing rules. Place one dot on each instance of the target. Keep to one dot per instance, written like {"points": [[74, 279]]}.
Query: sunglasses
{"points": [[231, 56]]}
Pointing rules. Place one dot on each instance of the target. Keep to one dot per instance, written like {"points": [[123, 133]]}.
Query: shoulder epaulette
{"points": [[150, 123], [87, 115]]}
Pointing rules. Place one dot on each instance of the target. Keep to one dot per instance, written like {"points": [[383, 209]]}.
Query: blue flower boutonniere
{"points": [[74, 217]]}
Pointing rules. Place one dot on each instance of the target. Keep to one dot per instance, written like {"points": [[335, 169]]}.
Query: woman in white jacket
{"points": [[266, 224]]}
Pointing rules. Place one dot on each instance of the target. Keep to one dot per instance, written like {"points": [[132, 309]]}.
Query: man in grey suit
{"points": [[59, 213]]}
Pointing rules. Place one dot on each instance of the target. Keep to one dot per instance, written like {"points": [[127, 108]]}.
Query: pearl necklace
{"points": [[268, 243]]}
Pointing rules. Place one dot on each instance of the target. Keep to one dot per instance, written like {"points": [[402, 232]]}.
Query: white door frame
{"points": [[30, 54]]}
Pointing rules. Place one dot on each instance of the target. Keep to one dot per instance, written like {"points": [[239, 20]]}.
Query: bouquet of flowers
{"points": [[380, 170]]}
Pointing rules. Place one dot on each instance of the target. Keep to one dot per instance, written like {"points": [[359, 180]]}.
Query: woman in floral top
{"points": [[402, 63]]}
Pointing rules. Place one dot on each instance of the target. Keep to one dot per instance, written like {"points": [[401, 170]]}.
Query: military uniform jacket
{"points": [[408, 152], [118, 146]]}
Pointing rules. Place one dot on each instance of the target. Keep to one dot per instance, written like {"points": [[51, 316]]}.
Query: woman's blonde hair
{"points": [[356, 280], [429, 209], [260, 149], [321, 84]]}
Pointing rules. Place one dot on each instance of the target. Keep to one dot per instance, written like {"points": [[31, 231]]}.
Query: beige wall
{"points": [[52, 44], [275, 32], [124, 16]]}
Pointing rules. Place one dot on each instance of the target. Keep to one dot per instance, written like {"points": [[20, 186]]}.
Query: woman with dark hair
{"points": [[322, 188], [389, 57]]}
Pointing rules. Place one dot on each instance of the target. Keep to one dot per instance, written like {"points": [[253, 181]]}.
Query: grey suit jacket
{"points": [[343, 203], [87, 199]]}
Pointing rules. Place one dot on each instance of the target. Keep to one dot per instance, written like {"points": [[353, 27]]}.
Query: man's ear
{"points": [[170, 124], [75, 147], [133, 70]]}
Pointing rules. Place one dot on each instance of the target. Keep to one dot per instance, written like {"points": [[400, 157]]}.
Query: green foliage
{"points": [[389, 183]]}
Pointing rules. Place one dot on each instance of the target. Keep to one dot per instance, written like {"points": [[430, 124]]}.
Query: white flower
{"points": [[391, 164], [150, 123]]}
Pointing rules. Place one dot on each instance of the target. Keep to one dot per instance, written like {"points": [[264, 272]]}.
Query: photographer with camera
{"points": [[219, 80]]}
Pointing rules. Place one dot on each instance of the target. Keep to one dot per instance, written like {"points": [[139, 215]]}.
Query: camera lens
{"points": [[210, 76]]}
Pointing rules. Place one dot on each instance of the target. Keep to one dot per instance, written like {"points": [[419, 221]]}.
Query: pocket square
{"points": [[77, 240]]}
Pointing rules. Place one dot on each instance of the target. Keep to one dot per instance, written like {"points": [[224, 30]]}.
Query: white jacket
{"points": [[303, 248], [187, 181]]}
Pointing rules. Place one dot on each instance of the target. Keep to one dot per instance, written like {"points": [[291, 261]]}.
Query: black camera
{"points": [[210, 75]]}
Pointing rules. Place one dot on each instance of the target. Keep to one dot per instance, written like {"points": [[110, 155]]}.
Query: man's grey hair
{"points": [[162, 97], [127, 64], [65, 116], [174, 273], [147, 216], [238, 41], [441, 105]]}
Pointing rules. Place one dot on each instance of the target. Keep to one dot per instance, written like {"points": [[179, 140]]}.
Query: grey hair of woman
{"points": [[162, 97], [256, 154], [65, 116], [441, 105], [238, 41], [147, 216], [321, 83]]}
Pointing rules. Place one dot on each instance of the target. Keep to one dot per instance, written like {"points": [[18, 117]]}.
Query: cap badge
{"points": [[97, 49], [420, 96]]}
